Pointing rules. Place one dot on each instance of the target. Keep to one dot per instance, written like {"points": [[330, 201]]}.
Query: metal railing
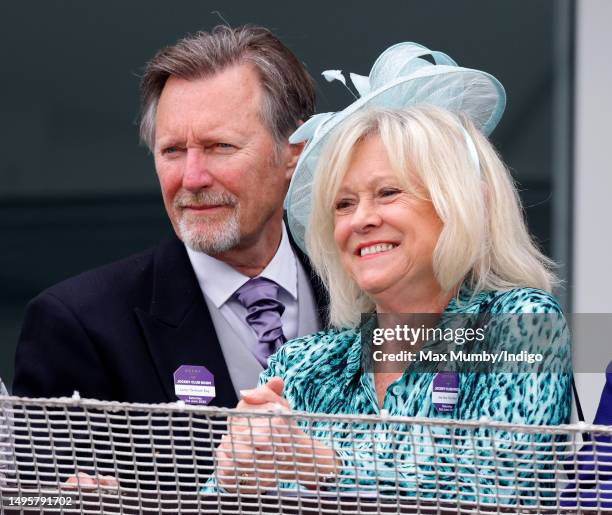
{"points": [[160, 459]]}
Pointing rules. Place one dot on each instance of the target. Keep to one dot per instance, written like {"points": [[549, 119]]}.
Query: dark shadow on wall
{"points": [[76, 191]]}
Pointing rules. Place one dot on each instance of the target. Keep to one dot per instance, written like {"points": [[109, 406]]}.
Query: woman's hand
{"points": [[259, 452]]}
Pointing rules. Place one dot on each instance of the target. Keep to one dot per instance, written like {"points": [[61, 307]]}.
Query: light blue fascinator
{"points": [[400, 78]]}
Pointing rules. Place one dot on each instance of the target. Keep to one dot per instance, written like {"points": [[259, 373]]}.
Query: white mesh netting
{"points": [[161, 460]]}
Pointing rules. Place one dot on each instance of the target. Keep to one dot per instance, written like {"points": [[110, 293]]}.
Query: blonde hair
{"points": [[484, 242]]}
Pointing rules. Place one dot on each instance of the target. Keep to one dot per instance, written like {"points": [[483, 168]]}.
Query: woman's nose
{"points": [[365, 216]]}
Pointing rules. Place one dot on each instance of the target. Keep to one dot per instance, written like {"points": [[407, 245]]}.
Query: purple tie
{"points": [[260, 298]]}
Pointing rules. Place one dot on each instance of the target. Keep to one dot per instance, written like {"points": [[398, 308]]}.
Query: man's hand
{"points": [[85, 481]]}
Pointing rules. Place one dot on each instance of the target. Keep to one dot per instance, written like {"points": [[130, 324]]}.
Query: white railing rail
{"points": [[144, 458]]}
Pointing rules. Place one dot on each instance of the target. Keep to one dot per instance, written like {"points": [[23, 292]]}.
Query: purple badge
{"points": [[194, 384], [445, 391]]}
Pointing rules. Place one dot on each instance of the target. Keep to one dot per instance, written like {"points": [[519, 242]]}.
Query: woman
{"points": [[405, 208]]}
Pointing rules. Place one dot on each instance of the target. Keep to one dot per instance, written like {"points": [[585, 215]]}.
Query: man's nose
{"points": [[365, 216], [197, 174]]}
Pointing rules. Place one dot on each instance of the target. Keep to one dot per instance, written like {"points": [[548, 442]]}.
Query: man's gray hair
{"points": [[288, 97]]}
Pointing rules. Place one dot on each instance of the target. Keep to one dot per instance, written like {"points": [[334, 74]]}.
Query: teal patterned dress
{"points": [[323, 374]]}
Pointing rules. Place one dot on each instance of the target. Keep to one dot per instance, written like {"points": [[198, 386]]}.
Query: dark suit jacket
{"points": [[120, 331]]}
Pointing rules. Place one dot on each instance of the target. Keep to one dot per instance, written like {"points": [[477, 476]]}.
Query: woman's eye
{"points": [[389, 192], [343, 204]]}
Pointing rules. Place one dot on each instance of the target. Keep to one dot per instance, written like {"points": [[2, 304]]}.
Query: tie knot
{"points": [[260, 298], [257, 290]]}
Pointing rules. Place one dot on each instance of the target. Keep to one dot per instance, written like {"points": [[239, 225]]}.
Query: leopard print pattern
{"points": [[323, 374]]}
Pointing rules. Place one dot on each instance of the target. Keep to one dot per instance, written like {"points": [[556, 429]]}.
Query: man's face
{"points": [[222, 183]]}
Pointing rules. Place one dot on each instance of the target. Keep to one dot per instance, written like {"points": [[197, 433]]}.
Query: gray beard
{"points": [[218, 235], [221, 237]]}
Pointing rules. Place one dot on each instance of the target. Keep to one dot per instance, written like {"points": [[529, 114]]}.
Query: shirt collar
{"points": [[220, 281]]}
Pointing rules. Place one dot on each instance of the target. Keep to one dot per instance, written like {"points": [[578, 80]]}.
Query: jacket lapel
{"points": [[177, 326]]}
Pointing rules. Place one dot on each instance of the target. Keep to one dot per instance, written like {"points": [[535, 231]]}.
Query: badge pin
{"points": [[194, 384], [445, 391]]}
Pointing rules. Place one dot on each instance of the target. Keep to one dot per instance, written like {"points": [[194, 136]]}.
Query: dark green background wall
{"points": [[76, 189]]}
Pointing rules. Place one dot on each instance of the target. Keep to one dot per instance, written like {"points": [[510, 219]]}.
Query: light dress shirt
{"points": [[219, 281]]}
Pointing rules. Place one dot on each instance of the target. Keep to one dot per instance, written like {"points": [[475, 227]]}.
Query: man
{"points": [[217, 109]]}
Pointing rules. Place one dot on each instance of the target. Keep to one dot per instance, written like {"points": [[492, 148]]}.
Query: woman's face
{"points": [[386, 236]]}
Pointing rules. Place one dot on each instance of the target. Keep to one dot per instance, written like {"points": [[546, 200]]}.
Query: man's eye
{"points": [[169, 150], [222, 148]]}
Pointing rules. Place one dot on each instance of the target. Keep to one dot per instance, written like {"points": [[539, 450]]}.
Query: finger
{"points": [[255, 432], [258, 429], [270, 439], [245, 405], [271, 406], [226, 469], [249, 399], [252, 448], [276, 384], [246, 468], [241, 461], [242, 429], [269, 392], [80, 480], [108, 481], [248, 482], [236, 424]]}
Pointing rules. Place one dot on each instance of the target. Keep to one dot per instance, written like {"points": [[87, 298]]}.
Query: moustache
{"points": [[204, 198]]}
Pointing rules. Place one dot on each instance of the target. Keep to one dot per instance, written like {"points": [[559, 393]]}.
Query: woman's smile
{"points": [[373, 250], [385, 234]]}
